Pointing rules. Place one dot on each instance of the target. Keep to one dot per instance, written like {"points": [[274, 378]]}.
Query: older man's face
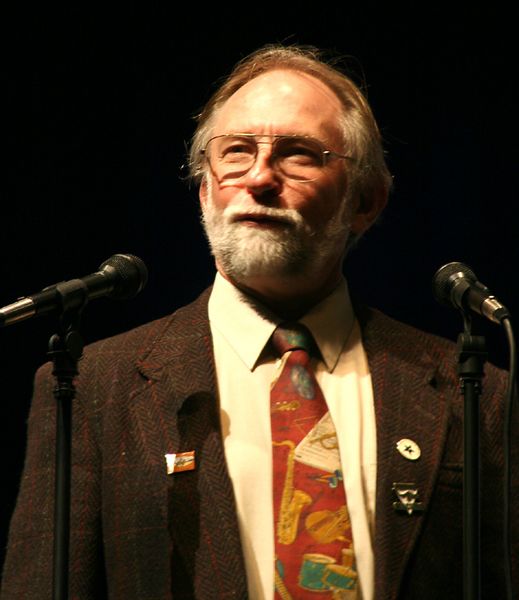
{"points": [[264, 222]]}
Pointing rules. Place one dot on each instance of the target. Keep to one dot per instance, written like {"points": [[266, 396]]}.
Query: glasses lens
{"points": [[299, 158], [231, 157]]}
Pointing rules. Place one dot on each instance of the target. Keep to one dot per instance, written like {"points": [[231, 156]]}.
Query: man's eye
{"points": [[300, 153], [237, 151]]}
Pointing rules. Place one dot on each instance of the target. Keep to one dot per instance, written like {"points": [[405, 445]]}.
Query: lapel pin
{"points": [[407, 493], [182, 461], [409, 449]]}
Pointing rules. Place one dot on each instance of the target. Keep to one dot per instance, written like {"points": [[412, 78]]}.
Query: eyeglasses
{"points": [[299, 158]]}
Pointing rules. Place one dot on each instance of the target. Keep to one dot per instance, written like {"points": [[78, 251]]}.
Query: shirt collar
{"points": [[247, 326]]}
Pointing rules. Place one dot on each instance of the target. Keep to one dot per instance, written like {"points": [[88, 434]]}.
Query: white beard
{"points": [[292, 251]]}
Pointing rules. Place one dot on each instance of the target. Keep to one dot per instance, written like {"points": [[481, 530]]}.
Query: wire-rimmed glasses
{"points": [[297, 157]]}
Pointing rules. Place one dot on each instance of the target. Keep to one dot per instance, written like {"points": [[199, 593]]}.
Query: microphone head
{"points": [[128, 273], [447, 279]]}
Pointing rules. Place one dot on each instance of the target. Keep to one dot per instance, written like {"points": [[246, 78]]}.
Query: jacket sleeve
{"points": [[28, 568]]}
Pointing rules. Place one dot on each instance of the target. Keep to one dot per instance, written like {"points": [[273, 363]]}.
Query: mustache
{"points": [[290, 216]]}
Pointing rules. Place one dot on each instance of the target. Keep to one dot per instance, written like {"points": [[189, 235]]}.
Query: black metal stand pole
{"points": [[65, 350], [62, 490], [472, 356]]}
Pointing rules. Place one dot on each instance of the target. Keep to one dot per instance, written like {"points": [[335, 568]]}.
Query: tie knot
{"points": [[292, 336]]}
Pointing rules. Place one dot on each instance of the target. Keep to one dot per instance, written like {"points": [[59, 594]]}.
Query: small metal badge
{"points": [[407, 494], [183, 461], [409, 449]]}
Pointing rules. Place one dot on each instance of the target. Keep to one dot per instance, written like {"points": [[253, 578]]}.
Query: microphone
{"points": [[122, 276], [455, 284]]}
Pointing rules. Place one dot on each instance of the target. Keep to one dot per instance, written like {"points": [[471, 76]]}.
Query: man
{"points": [[176, 463]]}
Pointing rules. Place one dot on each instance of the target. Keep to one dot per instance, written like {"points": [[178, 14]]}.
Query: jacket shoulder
{"points": [[384, 334], [125, 351], [142, 338]]}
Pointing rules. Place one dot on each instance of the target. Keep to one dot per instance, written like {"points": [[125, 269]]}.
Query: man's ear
{"points": [[202, 192], [368, 209]]}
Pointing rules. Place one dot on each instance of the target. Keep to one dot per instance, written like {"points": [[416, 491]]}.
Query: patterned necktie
{"points": [[313, 540]]}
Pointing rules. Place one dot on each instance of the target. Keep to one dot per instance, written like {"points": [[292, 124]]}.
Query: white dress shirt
{"points": [[241, 330]]}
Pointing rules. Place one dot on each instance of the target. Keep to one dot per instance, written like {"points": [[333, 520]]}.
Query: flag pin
{"points": [[181, 461]]}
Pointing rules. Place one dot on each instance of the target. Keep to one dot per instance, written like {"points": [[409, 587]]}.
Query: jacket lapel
{"points": [[408, 405], [199, 506]]}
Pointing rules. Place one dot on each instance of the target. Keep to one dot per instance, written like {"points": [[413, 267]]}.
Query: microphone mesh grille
{"points": [[445, 277], [131, 275]]}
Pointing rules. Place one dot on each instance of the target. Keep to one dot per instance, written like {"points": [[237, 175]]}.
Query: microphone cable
{"points": [[510, 397]]}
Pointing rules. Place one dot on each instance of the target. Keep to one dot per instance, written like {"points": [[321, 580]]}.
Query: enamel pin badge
{"points": [[182, 461], [407, 494], [409, 449]]}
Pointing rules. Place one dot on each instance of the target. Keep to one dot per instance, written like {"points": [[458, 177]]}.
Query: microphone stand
{"points": [[471, 359], [65, 350]]}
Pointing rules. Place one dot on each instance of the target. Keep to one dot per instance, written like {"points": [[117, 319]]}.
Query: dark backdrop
{"points": [[98, 109]]}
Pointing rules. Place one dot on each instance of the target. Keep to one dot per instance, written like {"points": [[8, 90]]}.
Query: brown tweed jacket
{"points": [[139, 534]]}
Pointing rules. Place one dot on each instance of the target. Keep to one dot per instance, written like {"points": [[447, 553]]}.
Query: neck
{"points": [[289, 298]]}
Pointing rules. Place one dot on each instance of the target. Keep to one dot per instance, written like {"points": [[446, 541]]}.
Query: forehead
{"points": [[282, 102]]}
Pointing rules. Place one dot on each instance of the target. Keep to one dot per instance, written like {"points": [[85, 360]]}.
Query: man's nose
{"points": [[262, 176]]}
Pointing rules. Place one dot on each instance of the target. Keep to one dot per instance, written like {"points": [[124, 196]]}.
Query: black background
{"points": [[98, 110]]}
